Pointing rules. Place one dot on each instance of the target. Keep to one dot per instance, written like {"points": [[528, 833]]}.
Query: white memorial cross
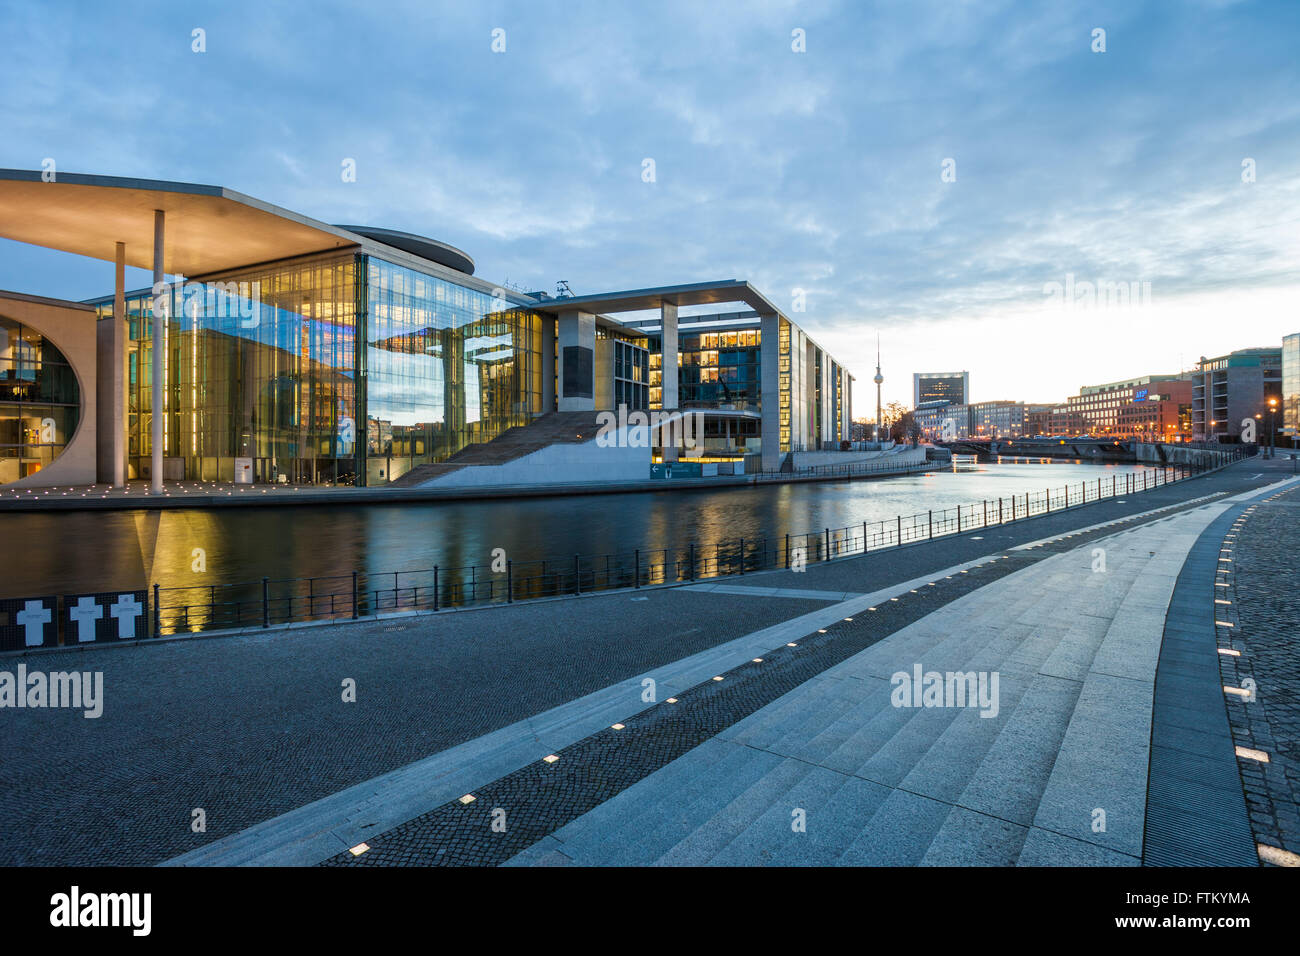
{"points": [[126, 610], [34, 616], [85, 614]]}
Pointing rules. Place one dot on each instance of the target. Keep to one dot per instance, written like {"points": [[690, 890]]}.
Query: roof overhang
{"points": [[208, 229], [637, 300]]}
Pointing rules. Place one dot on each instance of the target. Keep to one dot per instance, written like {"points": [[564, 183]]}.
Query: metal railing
{"points": [[268, 602]]}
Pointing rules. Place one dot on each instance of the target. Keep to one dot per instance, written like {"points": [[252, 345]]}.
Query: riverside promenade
{"points": [[800, 730]]}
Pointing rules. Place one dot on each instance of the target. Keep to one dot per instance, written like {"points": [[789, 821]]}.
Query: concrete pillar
{"points": [[668, 319], [111, 363], [769, 331], [159, 326], [549, 395], [576, 335]]}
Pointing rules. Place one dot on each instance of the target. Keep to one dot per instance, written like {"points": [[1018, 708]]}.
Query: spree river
{"points": [[79, 552]]}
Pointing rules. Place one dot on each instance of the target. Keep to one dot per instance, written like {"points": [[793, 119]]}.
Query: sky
{"points": [[937, 174]]}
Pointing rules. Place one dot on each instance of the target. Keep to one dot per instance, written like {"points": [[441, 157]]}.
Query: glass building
{"points": [[339, 368], [1291, 386], [295, 351]]}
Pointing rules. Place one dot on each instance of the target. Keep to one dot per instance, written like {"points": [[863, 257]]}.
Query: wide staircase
{"points": [[554, 428], [883, 785]]}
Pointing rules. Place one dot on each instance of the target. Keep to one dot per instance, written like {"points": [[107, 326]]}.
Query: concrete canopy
{"points": [[209, 228], [698, 293]]}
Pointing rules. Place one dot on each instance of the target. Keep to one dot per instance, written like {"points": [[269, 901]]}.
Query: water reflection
{"points": [[93, 551]]}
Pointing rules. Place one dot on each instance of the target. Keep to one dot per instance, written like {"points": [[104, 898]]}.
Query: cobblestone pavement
{"points": [[249, 727], [1261, 571]]}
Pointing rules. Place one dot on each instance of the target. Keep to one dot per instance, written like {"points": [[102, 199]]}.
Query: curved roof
{"points": [[209, 229], [421, 246]]}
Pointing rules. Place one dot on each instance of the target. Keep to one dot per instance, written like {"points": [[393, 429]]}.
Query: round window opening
{"points": [[40, 404]]}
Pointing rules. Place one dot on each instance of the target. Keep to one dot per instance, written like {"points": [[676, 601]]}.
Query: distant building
{"points": [[948, 421], [1230, 389], [1291, 386], [951, 387], [1149, 407]]}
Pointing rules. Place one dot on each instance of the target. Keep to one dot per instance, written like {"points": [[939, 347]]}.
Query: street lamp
{"points": [[1272, 407]]}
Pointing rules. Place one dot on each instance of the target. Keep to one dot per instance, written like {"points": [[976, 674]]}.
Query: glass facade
{"points": [[1291, 384], [266, 364], [261, 366], [40, 402], [445, 366]]}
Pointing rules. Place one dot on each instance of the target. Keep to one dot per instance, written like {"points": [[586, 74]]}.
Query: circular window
{"points": [[40, 404]]}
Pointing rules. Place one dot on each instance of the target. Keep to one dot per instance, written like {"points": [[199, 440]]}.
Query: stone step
{"points": [[1009, 781], [625, 813], [774, 790], [679, 818], [773, 830]]}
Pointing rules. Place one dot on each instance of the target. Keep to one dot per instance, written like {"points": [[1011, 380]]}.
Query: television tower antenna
{"points": [[879, 379]]}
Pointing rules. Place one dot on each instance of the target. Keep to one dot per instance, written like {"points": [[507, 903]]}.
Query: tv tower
{"points": [[879, 379]]}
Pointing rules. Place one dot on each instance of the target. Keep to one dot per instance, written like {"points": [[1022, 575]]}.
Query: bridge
{"points": [[1088, 449]]}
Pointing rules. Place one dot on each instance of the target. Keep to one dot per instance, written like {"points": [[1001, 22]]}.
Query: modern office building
{"points": [[294, 350], [1291, 387], [951, 387], [1147, 408], [1230, 390]]}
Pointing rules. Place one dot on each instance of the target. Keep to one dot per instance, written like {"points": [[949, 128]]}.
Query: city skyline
{"points": [[821, 171]]}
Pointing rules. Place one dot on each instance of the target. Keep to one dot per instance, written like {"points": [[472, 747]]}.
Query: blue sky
{"points": [[818, 170]]}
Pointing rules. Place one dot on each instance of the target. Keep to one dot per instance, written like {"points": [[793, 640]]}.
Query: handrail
{"points": [[357, 593]]}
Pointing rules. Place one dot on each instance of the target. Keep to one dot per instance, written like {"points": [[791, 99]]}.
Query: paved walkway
{"points": [[719, 771], [252, 729], [835, 773]]}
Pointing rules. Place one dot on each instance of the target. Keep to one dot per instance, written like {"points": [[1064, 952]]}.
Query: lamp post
{"points": [[1272, 407]]}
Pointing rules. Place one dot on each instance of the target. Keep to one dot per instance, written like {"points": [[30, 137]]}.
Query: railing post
{"points": [[1048, 493], [828, 545], [436, 597], [864, 537], [986, 512], [266, 602], [742, 556], [577, 575], [900, 530], [692, 561], [959, 519], [636, 569], [157, 613], [931, 523], [787, 551], [510, 581], [1000, 508]]}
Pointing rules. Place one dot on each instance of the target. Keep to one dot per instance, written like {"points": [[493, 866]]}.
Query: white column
{"points": [[159, 324], [118, 375], [668, 321]]}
